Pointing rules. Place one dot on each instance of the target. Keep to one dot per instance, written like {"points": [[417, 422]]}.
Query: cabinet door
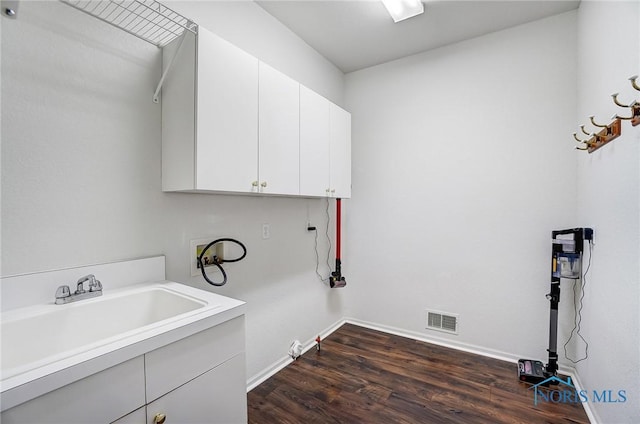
{"points": [[217, 396], [227, 119], [314, 143], [179, 115], [340, 150], [279, 132], [174, 364]]}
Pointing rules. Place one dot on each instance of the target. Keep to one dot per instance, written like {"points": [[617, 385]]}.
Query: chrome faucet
{"points": [[63, 293]]}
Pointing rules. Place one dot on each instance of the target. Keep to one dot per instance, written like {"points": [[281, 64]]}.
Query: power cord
{"points": [[310, 228], [217, 261], [326, 231], [577, 319]]}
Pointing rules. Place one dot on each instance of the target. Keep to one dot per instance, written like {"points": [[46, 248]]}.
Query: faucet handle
{"points": [[95, 285], [62, 292]]}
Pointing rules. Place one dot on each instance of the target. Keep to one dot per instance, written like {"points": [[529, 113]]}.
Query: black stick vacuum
{"points": [[566, 261]]}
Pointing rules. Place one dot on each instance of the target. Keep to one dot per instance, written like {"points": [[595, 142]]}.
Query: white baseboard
{"points": [[572, 372], [465, 347], [272, 369]]}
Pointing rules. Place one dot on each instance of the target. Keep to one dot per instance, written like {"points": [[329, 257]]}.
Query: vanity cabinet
{"points": [[325, 147], [198, 379]]}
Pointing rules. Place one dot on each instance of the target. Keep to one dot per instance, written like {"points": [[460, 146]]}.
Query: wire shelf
{"points": [[146, 19]]}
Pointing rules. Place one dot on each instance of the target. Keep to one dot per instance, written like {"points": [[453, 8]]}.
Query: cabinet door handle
{"points": [[254, 184], [263, 184], [159, 419]]}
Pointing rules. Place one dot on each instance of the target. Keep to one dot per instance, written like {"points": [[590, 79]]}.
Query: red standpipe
{"points": [[337, 280], [338, 226]]}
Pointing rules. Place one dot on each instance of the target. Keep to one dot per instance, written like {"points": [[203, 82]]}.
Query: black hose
{"points": [[217, 262]]}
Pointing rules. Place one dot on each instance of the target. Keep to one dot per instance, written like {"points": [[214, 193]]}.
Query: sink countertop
{"points": [[35, 382]]}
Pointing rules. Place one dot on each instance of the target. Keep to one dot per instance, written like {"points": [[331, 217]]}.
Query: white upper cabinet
{"points": [[227, 94], [279, 133], [233, 124], [325, 147], [314, 143], [340, 152], [209, 116]]}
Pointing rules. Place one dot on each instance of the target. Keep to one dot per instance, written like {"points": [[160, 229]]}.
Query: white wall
{"points": [[81, 167], [463, 164], [609, 201]]}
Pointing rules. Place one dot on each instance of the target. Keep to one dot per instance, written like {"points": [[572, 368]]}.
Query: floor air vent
{"points": [[442, 321]]}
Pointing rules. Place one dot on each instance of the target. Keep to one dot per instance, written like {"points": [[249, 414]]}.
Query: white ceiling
{"points": [[358, 34]]}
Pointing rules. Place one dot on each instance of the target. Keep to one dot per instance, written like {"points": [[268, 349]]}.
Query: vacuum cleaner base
{"points": [[531, 371]]}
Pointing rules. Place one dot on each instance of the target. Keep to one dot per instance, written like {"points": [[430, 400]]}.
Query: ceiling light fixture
{"points": [[403, 9]]}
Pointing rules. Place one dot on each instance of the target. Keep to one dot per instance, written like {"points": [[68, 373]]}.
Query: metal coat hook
{"points": [[587, 143], [585, 132], [591, 118], [618, 102], [625, 118], [575, 135], [634, 106], [634, 84]]}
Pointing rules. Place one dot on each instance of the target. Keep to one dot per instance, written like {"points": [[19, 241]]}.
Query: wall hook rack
{"points": [[607, 134], [611, 131]]}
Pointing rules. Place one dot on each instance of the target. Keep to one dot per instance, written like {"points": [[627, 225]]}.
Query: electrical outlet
{"points": [[215, 251], [266, 231]]}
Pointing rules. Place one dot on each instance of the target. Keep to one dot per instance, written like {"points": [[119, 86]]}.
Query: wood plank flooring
{"points": [[365, 376]]}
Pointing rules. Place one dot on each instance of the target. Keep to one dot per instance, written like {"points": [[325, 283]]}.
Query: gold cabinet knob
{"points": [[263, 184], [254, 184], [159, 419]]}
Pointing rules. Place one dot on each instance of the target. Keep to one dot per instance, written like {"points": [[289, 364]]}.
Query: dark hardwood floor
{"points": [[365, 376]]}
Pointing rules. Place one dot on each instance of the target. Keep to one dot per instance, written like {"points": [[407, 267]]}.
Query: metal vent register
{"points": [[146, 19], [442, 322]]}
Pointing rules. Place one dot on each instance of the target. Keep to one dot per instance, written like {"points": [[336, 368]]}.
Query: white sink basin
{"points": [[37, 336]]}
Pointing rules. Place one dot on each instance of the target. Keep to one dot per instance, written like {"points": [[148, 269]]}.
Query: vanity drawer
{"points": [[99, 398], [173, 365]]}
